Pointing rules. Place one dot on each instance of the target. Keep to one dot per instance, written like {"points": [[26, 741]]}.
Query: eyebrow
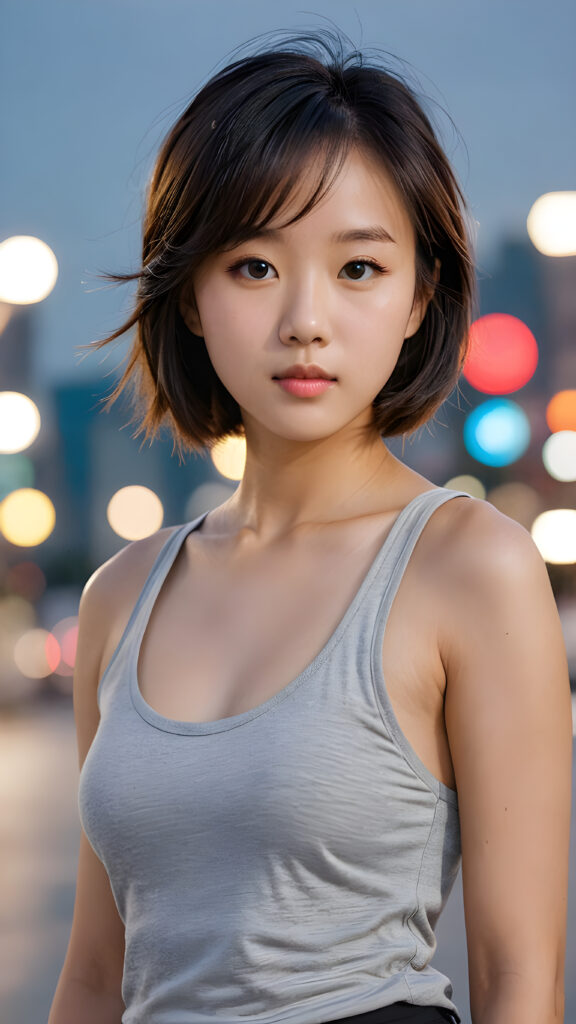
{"points": [[376, 233], [372, 234]]}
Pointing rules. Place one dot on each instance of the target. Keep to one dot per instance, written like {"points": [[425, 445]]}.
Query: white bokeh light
{"points": [[551, 224], [554, 533], [28, 270], [135, 512], [19, 421], [559, 455]]}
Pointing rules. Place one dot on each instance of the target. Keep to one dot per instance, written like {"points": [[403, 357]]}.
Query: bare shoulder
{"points": [[476, 544], [112, 590], [125, 570], [492, 583]]}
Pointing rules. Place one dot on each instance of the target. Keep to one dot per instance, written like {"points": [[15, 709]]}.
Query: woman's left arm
{"points": [[508, 718]]}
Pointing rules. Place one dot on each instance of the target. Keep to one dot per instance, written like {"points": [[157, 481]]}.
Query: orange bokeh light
{"points": [[561, 411], [503, 354]]}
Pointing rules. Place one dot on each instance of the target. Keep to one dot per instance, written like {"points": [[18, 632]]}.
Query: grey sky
{"points": [[89, 88]]}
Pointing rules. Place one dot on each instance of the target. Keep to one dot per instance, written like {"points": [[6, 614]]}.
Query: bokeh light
{"points": [[561, 411], [497, 432], [19, 421], [551, 224], [66, 633], [554, 533], [27, 517], [229, 457], [503, 354], [36, 653], [135, 512], [466, 482], [559, 455], [28, 270], [517, 500]]}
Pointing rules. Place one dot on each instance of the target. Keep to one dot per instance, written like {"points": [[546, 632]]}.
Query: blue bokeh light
{"points": [[497, 432]]}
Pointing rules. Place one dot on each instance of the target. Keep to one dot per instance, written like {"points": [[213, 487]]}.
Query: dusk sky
{"points": [[87, 90]]}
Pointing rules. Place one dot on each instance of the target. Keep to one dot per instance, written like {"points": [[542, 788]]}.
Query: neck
{"points": [[287, 484]]}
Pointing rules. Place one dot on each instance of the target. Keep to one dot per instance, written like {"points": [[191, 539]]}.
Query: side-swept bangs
{"points": [[262, 128]]}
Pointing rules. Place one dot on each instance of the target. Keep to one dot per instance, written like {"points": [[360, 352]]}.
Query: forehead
{"points": [[361, 194]]}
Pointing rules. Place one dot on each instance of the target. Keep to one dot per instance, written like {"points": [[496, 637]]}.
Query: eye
{"points": [[253, 270], [356, 270]]}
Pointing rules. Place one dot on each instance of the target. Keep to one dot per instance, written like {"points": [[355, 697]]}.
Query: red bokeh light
{"points": [[503, 354]]}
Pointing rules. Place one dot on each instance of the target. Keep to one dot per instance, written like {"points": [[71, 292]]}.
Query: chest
{"points": [[219, 643]]}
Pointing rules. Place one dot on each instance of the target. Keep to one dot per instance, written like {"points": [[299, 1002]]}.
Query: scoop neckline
{"points": [[183, 727]]}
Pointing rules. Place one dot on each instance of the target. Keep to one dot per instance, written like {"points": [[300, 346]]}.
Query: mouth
{"points": [[309, 371]]}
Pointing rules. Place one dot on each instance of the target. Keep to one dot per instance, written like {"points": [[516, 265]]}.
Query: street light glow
{"points": [[27, 517], [229, 457], [19, 421], [551, 224], [28, 270], [135, 512], [554, 533]]}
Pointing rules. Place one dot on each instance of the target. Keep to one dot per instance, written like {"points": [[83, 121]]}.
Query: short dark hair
{"points": [[229, 165]]}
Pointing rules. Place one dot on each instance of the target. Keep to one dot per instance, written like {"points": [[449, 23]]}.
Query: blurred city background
{"points": [[87, 92]]}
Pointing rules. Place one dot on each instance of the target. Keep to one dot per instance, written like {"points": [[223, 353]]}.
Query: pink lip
{"points": [[305, 371], [305, 388]]}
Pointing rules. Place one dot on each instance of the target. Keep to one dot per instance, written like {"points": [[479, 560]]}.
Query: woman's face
{"points": [[335, 289]]}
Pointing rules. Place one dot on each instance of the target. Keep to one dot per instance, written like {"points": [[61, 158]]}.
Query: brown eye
{"points": [[256, 269], [356, 270]]}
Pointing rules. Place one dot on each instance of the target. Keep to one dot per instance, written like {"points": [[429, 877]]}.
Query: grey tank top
{"points": [[284, 864]]}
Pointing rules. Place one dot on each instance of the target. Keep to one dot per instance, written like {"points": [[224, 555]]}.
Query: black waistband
{"points": [[402, 1013]]}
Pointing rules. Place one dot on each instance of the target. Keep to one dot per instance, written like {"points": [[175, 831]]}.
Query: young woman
{"points": [[298, 711]]}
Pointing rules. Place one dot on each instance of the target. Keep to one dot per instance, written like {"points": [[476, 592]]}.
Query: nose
{"points": [[304, 317]]}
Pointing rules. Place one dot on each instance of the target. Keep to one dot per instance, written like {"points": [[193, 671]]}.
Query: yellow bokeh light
{"points": [[229, 457], [19, 421], [559, 455], [466, 482], [35, 653], [28, 270], [551, 224], [554, 533], [135, 512], [27, 517]]}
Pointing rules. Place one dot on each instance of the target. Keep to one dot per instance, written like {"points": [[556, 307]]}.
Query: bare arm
{"points": [[89, 988], [508, 717]]}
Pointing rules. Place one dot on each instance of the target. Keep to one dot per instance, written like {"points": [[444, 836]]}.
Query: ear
{"points": [[421, 305], [190, 314]]}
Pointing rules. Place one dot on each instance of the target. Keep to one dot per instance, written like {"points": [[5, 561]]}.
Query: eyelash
{"points": [[376, 267]]}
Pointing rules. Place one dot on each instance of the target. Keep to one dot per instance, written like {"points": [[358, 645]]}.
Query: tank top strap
{"points": [[160, 569], [142, 608], [395, 555]]}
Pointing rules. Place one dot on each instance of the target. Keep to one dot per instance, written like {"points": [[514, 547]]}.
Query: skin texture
{"points": [[473, 653]]}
